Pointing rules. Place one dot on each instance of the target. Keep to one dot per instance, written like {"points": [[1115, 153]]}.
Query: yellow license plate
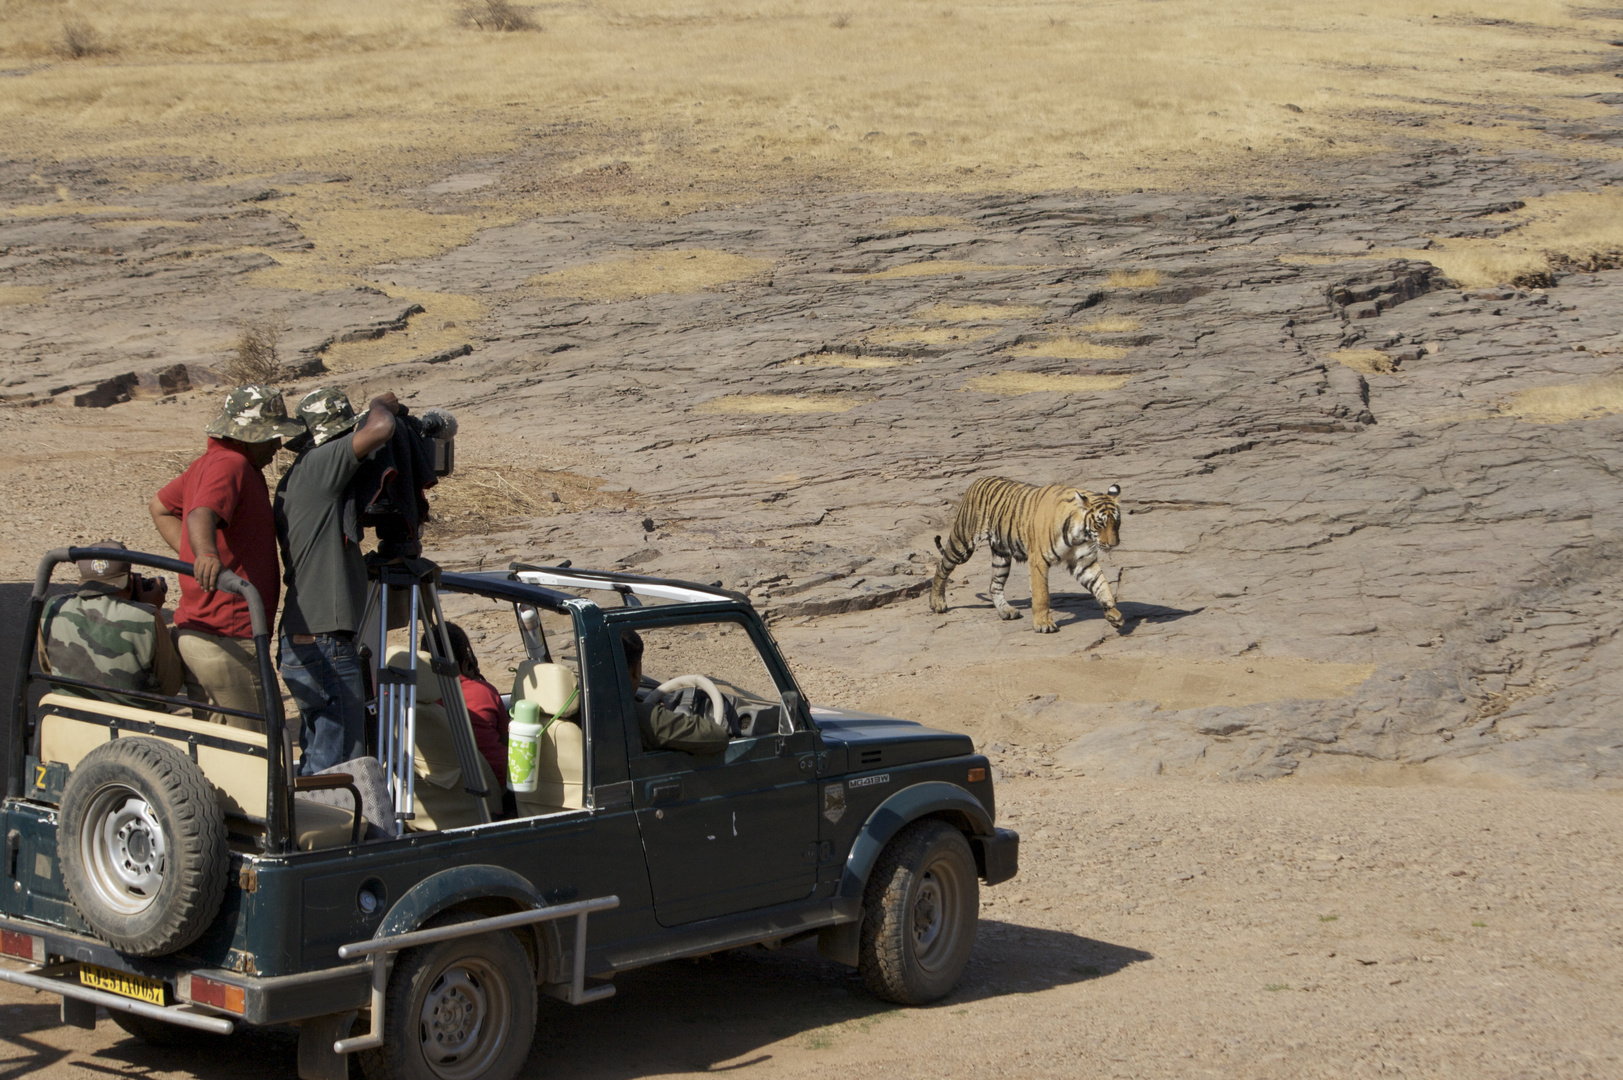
{"points": [[117, 982]]}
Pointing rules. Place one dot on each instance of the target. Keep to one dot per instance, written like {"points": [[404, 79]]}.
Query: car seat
{"points": [[560, 765], [440, 801]]}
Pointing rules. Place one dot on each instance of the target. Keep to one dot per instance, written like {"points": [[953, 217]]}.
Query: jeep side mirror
{"points": [[796, 716]]}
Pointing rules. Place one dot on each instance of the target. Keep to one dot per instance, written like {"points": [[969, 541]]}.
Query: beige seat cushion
{"points": [[317, 826], [551, 686], [560, 769], [440, 801]]}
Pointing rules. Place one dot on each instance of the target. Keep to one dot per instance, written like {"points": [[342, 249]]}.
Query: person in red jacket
{"points": [[485, 710], [217, 515]]}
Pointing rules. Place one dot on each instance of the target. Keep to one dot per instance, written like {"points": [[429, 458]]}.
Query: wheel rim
{"points": [[934, 915], [465, 1019], [123, 849]]}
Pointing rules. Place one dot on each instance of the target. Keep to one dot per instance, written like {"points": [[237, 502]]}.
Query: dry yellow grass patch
{"points": [[447, 320], [14, 295], [1572, 228], [945, 312], [761, 404], [1034, 382], [927, 221], [938, 267], [1067, 348], [853, 363], [924, 335], [1113, 324], [1133, 279], [649, 273], [1573, 401], [1005, 94], [1367, 361], [468, 500]]}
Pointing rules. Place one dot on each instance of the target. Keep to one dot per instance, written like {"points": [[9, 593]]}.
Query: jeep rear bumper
{"points": [[997, 857]]}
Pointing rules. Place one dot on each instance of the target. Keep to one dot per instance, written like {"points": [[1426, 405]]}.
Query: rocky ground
{"points": [[1372, 536]]}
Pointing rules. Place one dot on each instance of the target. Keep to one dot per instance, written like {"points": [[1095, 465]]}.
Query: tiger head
{"points": [[1094, 518]]}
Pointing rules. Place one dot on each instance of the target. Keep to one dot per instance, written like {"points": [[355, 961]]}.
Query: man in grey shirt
{"points": [[325, 575]]}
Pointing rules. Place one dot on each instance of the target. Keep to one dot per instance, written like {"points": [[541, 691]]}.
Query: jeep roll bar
{"points": [[278, 826]]}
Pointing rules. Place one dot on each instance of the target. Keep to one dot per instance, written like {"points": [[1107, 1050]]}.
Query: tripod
{"points": [[404, 592]]}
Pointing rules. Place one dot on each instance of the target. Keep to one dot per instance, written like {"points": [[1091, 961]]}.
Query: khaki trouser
{"points": [[223, 671]]}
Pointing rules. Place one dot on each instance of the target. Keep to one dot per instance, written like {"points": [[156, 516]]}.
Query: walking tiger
{"points": [[1039, 525]]}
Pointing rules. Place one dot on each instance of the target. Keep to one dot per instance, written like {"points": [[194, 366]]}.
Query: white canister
{"points": [[523, 746]]}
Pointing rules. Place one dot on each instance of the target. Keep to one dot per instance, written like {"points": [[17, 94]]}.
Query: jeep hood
{"points": [[873, 741]]}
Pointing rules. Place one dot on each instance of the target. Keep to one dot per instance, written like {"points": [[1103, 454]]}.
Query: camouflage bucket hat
{"points": [[104, 571], [254, 414], [327, 413]]}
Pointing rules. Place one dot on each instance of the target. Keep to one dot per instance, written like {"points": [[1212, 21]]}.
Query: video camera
{"points": [[429, 452]]}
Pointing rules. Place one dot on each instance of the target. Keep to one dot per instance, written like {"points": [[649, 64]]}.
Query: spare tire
{"points": [[142, 844]]}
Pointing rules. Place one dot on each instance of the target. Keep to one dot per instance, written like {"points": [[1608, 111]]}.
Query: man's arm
{"points": [[667, 729], [378, 428], [201, 525], [167, 521]]}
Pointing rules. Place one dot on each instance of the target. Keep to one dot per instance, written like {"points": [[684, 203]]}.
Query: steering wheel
{"points": [[683, 682]]}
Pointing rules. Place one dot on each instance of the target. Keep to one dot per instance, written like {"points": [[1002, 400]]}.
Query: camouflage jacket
{"points": [[664, 728], [100, 638]]}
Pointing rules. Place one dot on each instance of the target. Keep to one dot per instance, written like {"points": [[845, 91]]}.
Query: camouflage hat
{"points": [[327, 413], [104, 571], [254, 414]]}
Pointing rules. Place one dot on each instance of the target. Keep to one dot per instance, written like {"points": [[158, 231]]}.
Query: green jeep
{"points": [[177, 872]]}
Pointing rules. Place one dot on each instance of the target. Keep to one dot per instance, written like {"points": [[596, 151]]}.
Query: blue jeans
{"points": [[325, 680]]}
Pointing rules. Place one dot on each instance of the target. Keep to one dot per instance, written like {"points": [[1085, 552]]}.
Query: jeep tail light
{"points": [[22, 946], [977, 775], [216, 995]]}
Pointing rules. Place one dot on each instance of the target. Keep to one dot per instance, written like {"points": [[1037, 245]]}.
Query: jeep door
{"points": [[731, 831]]}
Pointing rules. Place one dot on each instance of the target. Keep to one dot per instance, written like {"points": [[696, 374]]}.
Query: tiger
{"points": [[1039, 525]]}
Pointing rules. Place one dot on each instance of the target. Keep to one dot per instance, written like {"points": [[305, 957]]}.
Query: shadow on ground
{"points": [[716, 1013]]}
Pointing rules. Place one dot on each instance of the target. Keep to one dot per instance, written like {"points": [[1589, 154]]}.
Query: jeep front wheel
{"points": [[919, 915], [460, 1010]]}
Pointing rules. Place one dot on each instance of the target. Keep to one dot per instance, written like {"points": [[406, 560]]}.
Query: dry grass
{"points": [[978, 312], [1573, 401], [1181, 93], [649, 273], [763, 404], [1572, 229], [79, 39], [1067, 348], [1365, 361], [498, 15], [1033, 382], [17, 295], [469, 500], [447, 321], [1133, 279], [924, 335], [253, 360], [1113, 324]]}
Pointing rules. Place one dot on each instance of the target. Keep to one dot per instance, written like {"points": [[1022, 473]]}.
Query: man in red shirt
{"points": [[217, 515]]}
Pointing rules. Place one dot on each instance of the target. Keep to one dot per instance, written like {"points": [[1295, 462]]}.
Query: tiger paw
{"points": [[1008, 614], [1114, 617], [938, 606], [1045, 626]]}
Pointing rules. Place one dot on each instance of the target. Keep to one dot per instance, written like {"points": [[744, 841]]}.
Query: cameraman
{"points": [[111, 633], [325, 575]]}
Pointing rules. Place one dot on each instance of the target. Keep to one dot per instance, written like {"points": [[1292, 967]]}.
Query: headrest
{"points": [[428, 684], [551, 686]]}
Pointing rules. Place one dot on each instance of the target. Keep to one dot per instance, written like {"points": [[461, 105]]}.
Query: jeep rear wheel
{"points": [[460, 1010], [142, 844], [919, 915]]}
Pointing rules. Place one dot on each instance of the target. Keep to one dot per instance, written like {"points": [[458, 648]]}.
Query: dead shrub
{"points": [[79, 39], [254, 361], [841, 20], [499, 15]]}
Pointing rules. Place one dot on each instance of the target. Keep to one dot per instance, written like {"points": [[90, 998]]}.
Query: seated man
{"points": [[664, 728], [111, 633]]}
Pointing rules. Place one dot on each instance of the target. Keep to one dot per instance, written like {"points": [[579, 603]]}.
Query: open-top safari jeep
{"points": [[177, 872]]}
